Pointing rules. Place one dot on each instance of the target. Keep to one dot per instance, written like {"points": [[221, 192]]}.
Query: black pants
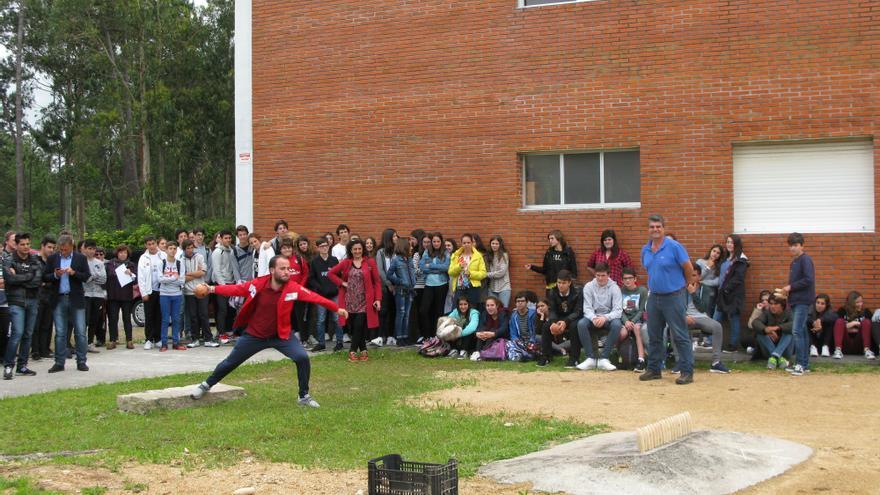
{"points": [[4, 327], [386, 314], [248, 345], [357, 325], [153, 317], [220, 315], [433, 301], [415, 315], [468, 343], [43, 331], [113, 309], [304, 317], [197, 314], [95, 320], [547, 342], [826, 337]]}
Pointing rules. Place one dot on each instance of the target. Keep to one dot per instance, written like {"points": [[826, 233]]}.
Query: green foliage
{"points": [[21, 486], [363, 408]]}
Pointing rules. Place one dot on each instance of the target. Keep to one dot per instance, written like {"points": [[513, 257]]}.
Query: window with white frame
{"points": [[803, 187], [605, 179]]}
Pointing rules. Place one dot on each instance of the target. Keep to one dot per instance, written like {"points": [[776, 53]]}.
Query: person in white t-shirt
{"points": [[343, 233]]}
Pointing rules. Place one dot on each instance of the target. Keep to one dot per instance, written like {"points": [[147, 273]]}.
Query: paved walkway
{"points": [[122, 364]]}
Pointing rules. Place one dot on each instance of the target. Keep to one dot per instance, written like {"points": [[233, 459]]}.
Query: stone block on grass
{"points": [[175, 398]]}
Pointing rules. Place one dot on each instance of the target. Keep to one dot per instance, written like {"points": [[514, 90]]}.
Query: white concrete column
{"points": [[244, 148]]}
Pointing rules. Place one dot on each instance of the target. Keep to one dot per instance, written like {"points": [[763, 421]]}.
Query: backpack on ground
{"points": [[629, 353], [434, 347]]}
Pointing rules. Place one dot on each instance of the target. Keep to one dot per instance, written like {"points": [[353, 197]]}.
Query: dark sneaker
{"points": [[82, 367], [719, 368], [318, 348], [650, 375], [640, 366], [56, 368], [26, 372], [7, 373], [571, 364], [543, 362], [337, 347], [36, 357], [684, 379]]}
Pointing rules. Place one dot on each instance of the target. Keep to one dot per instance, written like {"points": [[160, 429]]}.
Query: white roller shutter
{"points": [[803, 187]]}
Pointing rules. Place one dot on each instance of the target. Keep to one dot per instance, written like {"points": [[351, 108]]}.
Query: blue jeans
{"points": [[777, 349], [23, 320], [585, 328], [322, 317], [65, 312], [170, 306], [800, 334], [669, 309], [403, 299], [247, 345], [503, 296], [734, 324]]}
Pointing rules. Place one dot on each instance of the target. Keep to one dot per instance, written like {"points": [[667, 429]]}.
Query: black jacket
{"points": [[81, 274], [732, 293], [318, 280], [569, 308], [554, 262], [25, 282]]}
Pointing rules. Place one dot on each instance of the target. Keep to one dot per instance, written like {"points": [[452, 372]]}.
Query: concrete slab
{"points": [[175, 398], [707, 462]]}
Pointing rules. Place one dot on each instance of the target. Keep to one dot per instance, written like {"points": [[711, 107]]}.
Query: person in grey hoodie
{"points": [[224, 272], [603, 307], [96, 295]]}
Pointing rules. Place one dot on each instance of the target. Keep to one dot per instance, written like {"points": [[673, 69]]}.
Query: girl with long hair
{"points": [[467, 270], [852, 330], [498, 263], [434, 263], [468, 318], [732, 288], [609, 252], [559, 256], [384, 255], [821, 322], [402, 275]]}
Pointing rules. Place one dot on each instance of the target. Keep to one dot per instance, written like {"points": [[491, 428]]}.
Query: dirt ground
{"points": [[838, 415]]}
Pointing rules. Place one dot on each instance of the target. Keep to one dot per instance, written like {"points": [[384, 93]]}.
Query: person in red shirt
{"points": [[265, 316]]}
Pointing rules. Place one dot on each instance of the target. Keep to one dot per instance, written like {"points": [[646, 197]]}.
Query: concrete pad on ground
{"points": [[707, 462], [175, 398], [122, 364]]}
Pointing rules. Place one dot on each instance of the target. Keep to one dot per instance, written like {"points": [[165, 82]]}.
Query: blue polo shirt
{"points": [[64, 284], [664, 266]]}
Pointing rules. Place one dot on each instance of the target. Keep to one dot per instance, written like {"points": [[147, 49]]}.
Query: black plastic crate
{"points": [[391, 475]]}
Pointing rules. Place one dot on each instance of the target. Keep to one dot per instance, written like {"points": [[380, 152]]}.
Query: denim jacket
{"points": [[401, 272], [435, 269]]}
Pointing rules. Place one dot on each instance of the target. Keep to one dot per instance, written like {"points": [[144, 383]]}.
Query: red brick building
{"points": [[460, 116]]}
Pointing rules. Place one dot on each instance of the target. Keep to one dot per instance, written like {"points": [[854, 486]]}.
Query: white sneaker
{"points": [[345, 338], [376, 342], [313, 341], [588, 364], [308, 401], [391, 341], [475, 356], [838, 354], [200, 391], [605, 365], [826, 352], [194, 344], [211, 343], [869, 354], [750, 350], [148, 345], [813, 351]]}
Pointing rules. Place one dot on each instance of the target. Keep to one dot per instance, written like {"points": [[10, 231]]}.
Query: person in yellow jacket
{"points": [[467, 270]]}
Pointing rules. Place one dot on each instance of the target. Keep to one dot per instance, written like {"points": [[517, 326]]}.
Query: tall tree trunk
{"points": [[19, 155], [63, 218]]}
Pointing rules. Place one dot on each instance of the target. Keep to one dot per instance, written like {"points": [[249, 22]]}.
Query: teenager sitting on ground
{"points": [[523, 343], [820, 322], [634, 297], [468, 318], [603, 307], [493, 325], [852, 330], [748, 337], [565, 309], [698, 298], [773, 331]]}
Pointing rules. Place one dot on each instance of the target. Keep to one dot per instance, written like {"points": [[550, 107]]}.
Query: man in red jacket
{"points": [[265, 316]]}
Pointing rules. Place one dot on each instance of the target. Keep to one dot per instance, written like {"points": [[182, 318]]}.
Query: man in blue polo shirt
{"points": [[669, 267]]}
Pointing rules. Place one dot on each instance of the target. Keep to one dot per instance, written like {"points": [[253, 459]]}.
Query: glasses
{"points": [[99, 254]]}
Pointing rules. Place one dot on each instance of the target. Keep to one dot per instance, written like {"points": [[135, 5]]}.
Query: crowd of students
{"points": [[396, 289]]}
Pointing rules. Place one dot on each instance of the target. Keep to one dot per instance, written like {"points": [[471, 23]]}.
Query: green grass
{"points": [[363, 415], [21, 486]]}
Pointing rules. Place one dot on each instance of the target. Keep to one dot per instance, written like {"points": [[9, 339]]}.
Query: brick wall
{"points": [[411, 113]]}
